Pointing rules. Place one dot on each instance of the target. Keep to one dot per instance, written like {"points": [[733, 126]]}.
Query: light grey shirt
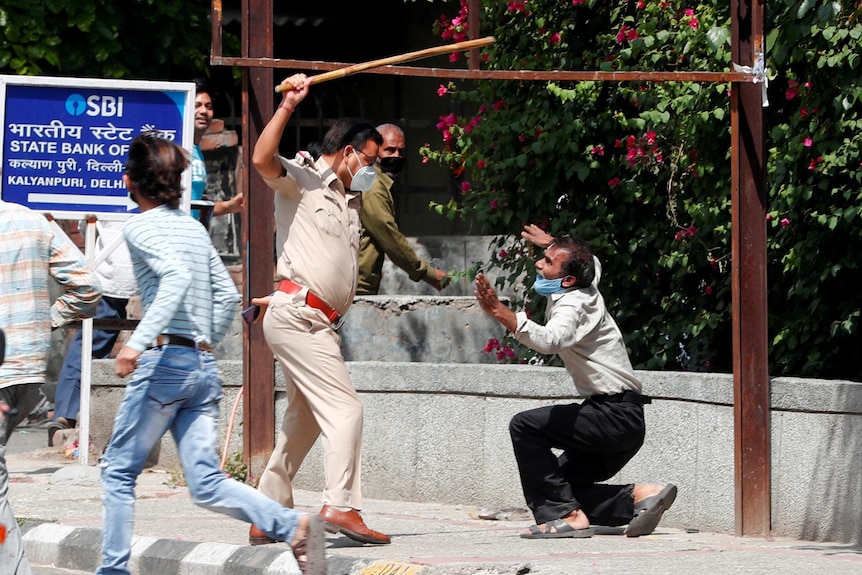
{"points": [[580, 330], [185, 288]]}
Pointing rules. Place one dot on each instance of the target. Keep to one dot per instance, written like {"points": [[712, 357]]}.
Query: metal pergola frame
{"points": [[752, 469]]}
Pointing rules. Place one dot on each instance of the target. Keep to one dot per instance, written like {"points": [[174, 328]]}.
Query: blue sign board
{"points": [[65, 140]]}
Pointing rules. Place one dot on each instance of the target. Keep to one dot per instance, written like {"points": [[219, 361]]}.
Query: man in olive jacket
{"points": [[380, 234]]}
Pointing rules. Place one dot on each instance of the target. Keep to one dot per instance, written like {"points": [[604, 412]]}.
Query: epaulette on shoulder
{"points": [[304, 158]]}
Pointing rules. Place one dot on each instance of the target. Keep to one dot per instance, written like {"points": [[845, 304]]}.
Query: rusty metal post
{"points": [[748, 236], [258, 243]]}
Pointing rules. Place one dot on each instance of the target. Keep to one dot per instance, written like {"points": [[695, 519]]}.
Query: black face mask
{"points": [[392, 165]]}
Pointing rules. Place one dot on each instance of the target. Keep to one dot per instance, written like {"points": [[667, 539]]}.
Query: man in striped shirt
{"points": [[31, 255], [189, 301]]}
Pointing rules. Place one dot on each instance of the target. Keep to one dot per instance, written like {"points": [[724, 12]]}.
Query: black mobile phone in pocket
{"points": [[251, 313]]}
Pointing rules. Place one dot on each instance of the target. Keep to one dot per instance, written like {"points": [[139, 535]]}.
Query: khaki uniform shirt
{"points": [[381, 237], [317, 230]]}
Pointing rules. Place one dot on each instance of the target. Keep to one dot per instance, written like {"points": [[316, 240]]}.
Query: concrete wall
{"points": [[439, 432]]}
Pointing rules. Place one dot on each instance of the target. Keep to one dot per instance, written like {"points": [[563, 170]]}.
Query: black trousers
{"points": [[597, 437]]}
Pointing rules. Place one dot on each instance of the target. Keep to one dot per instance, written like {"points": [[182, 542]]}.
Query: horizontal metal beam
{"points": [[525, 75]]}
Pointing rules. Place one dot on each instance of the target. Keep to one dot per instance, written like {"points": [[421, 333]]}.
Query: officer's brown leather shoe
{"points": [[258, 537], [350, 524]]}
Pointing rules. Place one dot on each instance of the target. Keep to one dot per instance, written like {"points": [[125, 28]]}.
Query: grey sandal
{"points": [[561, 530]]}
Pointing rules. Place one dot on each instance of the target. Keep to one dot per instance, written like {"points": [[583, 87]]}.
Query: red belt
{"points": [[312, 300]]}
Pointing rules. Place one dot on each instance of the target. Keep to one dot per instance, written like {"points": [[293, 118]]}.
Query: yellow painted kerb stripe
{"points": [[391, 568]]}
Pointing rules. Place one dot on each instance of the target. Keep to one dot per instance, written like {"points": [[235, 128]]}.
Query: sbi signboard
{"points": [[65, 140]]}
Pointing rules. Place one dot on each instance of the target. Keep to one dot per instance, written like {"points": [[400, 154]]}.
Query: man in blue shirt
{"points": [[203, 120]]}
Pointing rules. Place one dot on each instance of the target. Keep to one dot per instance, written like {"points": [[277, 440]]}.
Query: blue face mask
{"points": [[548, 287]]}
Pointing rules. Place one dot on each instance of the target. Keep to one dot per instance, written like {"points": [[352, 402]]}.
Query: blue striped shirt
{"points": [[185, 288], [31, 255]]}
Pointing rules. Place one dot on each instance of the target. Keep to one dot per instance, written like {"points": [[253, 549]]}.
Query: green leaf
{"points": [[718, 37], [804, 8]]}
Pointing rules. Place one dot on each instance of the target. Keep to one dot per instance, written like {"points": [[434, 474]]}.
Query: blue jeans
{"points": [[67, 398], [178, 389]]}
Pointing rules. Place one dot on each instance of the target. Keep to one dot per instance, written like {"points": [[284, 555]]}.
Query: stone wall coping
{"points": [[553, 383]]}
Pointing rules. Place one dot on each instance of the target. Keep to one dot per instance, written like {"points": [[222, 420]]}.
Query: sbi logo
{"points": [[106, 106]]}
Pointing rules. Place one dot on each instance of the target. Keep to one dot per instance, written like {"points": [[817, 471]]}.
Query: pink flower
{"points": [[494, 204], [502, 254], [498, 105], [518, 6], [441, 91], [803, 112], [454, 56], [807, 142], [768, 217], [491, 345], [693, 23], [707, 290], [554, 38], [621, 35], [446, 121], [641, 4], [689, 12], [480, 164], [465, 187], [792, 89], [808, 85], [650, 138], [815, 162], [424, 160], [614, 182], [578, 2], [598, 150], [688, 232], [784, 222]]}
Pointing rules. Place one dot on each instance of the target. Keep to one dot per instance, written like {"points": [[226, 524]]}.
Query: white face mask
{"points": [[363, 179]]}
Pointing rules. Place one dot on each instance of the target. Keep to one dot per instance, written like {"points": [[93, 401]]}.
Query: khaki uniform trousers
{"points": [[321, 400]]}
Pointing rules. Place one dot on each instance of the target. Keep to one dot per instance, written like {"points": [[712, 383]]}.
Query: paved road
{"points": [[26, 439], [45, 570]]}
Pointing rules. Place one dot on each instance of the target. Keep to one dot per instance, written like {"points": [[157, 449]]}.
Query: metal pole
{"points": [[258, 241], [748, 237], [86, 356]]}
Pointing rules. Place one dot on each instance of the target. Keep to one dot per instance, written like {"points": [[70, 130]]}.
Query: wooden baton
{"points": [[409, 56]]}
